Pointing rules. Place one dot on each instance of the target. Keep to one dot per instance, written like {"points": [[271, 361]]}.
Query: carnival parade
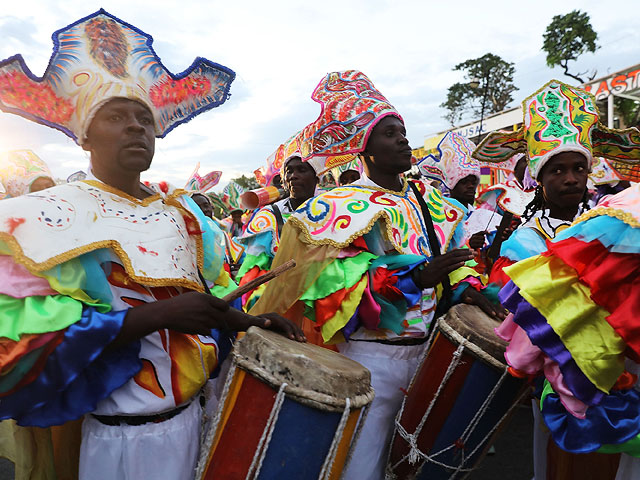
{"points": [[345, 304]]}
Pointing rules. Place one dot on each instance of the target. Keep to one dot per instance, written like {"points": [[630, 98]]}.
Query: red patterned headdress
{"points": [[351, 107]]}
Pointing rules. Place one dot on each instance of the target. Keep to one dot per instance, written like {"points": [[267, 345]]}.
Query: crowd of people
{"points": [[112, 318]]}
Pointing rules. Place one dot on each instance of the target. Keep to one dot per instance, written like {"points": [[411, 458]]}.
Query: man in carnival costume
{"points": [[458, 175], [605, 180], [262, 235], [21, 172], [366, 271], [573, 307], [560, 166], [102, 297]]}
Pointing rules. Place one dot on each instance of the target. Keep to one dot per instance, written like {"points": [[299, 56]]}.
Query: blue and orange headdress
{"points": [[561, 118], [100, 57]]}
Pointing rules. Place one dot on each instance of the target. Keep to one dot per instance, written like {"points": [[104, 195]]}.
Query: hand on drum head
{"points": [[439, 267], [285, 327], [472, 297]]}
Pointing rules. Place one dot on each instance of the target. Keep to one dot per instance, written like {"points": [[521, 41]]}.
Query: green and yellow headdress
{"points": [[560, 118]]}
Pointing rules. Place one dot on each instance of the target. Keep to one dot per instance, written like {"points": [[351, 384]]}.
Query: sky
{"points": [[281, 49]]}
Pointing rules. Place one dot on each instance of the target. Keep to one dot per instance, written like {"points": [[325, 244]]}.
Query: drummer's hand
{"points": [[473, 297], [241, 321], [279, 324], [476, 240], [439, 267]]}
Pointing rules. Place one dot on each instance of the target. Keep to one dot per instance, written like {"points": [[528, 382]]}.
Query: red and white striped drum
{"points": [[459, 397], [289, 410]]}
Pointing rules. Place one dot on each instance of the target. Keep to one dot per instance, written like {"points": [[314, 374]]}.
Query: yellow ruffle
{"points": [[344, 313], [554, 290]]}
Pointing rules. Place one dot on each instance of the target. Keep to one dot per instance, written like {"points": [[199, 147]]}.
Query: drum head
{"points": [[471, 323], [311, 372]]}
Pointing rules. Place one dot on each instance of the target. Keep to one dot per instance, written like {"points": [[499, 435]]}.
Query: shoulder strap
{"points": [[279, 219], [434, 244]]}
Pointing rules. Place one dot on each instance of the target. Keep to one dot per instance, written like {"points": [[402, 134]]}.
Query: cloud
{"points": [[280, 50]]}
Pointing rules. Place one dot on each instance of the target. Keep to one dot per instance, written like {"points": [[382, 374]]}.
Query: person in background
{"points": [[21, 172]]}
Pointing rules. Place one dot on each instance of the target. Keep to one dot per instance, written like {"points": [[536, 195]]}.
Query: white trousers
{"points": [[166, 450], [392, 368]]}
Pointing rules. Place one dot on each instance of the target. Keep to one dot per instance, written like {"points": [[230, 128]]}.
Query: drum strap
{"points": [[434, 244], [279, 219]]}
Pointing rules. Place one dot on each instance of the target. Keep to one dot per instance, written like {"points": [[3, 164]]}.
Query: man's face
{"points": [[41, 183], [349, 176], [465, 190], [564, 179], [204, 204], [236, 216], [389, 147], [121, 139], [300, 179], [519, 169]]}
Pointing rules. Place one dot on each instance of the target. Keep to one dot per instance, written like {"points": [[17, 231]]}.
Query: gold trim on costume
{"points": [[626, 217]]}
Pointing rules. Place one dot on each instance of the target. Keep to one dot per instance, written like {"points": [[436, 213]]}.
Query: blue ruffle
{"points": [[213, 242], [78, 373], [616, 420], [523, 243], [612, 233]]}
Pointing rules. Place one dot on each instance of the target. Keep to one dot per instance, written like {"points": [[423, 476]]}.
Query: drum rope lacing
{"points": [[356, 436], [415, 453], [265, 439], [333, 450]]}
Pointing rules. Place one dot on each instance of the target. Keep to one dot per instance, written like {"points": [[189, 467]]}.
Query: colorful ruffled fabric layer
{"points": [[575, 311]]}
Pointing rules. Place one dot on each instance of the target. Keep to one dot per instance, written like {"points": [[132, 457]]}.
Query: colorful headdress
{"points": [[453, 162], [560, 118], [18, 170], [199, 184], [602, 172], [231, 196], [351, 107], [97, 58], [354, 164]]}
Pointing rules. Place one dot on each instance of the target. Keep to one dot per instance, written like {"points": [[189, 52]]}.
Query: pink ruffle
{"points": [[525, 357], [18, 282]]}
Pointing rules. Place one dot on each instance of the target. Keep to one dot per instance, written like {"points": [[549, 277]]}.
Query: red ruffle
{"points": [[497, 274], [613, 279], [325, 308], [253, 273], [383, 283]]}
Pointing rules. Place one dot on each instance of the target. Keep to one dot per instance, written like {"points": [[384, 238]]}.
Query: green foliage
{"points": [[248, 183], [629, 110], [492, 95], [567, 37]]}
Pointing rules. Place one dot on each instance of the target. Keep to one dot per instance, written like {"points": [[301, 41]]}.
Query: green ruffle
{"points": [[262, 261], [41, 314], [339, 274]]}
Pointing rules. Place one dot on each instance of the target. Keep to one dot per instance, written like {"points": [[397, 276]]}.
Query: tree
{"points": [[629, 110], [491, 93], [567, 37], [248, 183]]}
